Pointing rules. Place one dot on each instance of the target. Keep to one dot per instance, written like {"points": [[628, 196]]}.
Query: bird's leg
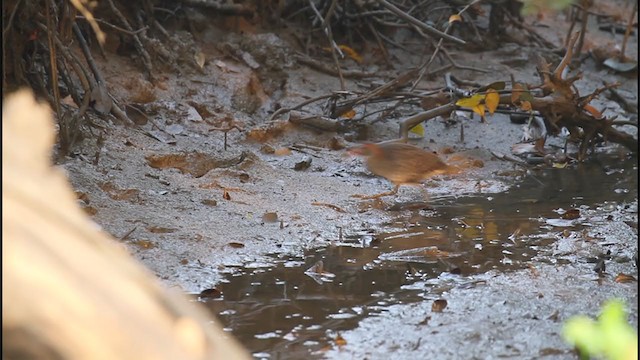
{"points": [[377, 196]]}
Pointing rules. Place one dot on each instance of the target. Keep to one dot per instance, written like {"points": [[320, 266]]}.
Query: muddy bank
{"points": [[209, 188]]}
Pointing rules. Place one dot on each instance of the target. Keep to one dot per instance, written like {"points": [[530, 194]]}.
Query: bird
{"points": [[400, 163]]}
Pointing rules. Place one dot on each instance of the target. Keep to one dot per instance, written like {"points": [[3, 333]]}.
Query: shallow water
{"points": [[281, 312]]}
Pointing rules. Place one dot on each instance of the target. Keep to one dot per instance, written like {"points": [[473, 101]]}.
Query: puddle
{"points": [[280, 312]]}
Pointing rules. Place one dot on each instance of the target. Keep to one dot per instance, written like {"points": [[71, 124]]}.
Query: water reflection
{"points": [[284, 313]]}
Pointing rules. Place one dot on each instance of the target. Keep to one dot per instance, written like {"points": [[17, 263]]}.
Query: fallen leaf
{"points": [[303, 164], [282, 151], [470, 102], [351, 53], [617, 65], [200, 59], [571, 214], [100, 99], [212, 293], [317, 268], [624, 278], [174, 129], [236, 245], [525, 105], [160, 230], [455, 17], [349, 114], [270, 217], [209, 202], [68, 100], [439, 305], [144, 244], [492, 99], [418, 130]]}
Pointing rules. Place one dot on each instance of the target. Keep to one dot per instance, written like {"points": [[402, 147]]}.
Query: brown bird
{"points": [[400, 163]]}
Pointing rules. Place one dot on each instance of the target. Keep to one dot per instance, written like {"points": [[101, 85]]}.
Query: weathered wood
{"points": [[70, 291]]}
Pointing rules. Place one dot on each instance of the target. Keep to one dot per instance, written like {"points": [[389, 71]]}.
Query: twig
{"points": [[304, 103], [331, 206], [146, 59], [323, 68], [52, 58], [332, 44], [218, 6], [557, 73], [583, 30], [628, 30], [87, 54], [414, 120], [430, 30], [115, 27]]}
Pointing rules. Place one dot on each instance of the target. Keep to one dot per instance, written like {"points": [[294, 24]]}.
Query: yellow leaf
{"points": [[455, 17], [418, 130], [471, 102], [351, 53], [479, 109], [525, 105], [492, 99], [349, 114]]}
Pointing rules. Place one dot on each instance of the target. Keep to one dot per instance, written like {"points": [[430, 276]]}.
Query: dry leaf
{"points": [[351, 53], [210, 294], [68, 100], [209, 202], [282, 151], [317, 268], [101, 100], [160, 230], [200, 59], [303, 164], [624, 278], [571, 214], [492, 99], [439, 305], [349, 114], [526, 106], [455, 17], [144, 244], [270, 217]]}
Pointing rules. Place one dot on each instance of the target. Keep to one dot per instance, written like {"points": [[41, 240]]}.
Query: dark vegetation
{"points": [[51, 46]]}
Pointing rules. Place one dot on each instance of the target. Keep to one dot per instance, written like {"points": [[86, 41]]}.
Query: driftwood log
{"points": [[70, 291]]}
